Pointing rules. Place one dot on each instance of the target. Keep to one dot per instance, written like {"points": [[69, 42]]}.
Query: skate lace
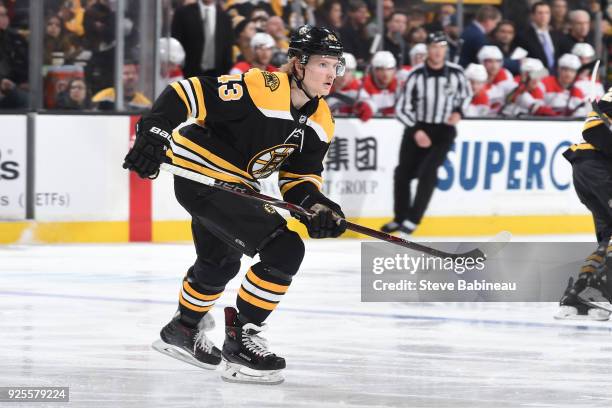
{"points": [[254, 343], [202, 342]]}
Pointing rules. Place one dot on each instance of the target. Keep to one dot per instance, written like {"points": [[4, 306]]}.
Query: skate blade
{"points": [[236, 373], [179, 354], [594, 315]]}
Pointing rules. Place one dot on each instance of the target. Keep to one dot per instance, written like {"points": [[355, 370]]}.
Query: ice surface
{"points": [[84, 316]]}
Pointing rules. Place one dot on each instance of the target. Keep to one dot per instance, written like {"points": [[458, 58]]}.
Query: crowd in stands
{"points": [[525, 57]]}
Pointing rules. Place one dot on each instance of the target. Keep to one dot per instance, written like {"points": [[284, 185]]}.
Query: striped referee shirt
{"points": [[430, 95]]}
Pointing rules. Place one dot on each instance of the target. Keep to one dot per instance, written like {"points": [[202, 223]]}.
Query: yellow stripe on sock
{"points": [[255, 301], [274, 287], [188, 305], [197, 295]]}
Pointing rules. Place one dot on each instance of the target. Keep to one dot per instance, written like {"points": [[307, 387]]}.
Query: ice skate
{"points": [[575, 304], [189, 344], [390, 227], [246, 355]]}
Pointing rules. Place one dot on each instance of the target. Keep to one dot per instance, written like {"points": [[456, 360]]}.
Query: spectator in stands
{"points": [[561, 92], [133, 100], [276, 28], [559, 21], [474, 36], [172, 58], [329, 15], [57, 40], [416, 17], [13, 65], [99, 39], [444, 17], [259, 16], [416, 35], [394, 37], [72, 14], [503, 38], [245, 7], [75, 97], [244, 30], [538, 39], [579, 31], [262, 45], [354, 35], [388, 9], [348, 96], [381, 83], [204, 31], [528, 97], [500, 81], [479, 105]]}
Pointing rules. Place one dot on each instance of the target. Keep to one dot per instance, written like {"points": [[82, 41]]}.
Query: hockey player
{"points": [[381, 83], [479, 104], [586, 53], [560, 91], [262, 45], [592, 173], [347, 96], [528, 97], [171, 57], [247, 126], [500, 81]]}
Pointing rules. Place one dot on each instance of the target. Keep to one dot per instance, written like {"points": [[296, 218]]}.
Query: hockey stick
{"points": [[594, 298], [487, 250], [593, 101]]}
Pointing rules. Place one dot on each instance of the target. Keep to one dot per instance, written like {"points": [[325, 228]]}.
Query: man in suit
{"points": [[205, 32], [579, 31], [538, 39], [474, 36]]}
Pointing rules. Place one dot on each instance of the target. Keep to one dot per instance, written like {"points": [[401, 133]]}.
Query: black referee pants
{"points": [[422, 164], [593, 184]]}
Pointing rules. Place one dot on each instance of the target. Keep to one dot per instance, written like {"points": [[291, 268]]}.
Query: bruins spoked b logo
{"points": [[268, 161], [271, 80]]}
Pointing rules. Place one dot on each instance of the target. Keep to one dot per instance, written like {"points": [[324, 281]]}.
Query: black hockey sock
{"points": [[260, 292], [195, 300]]}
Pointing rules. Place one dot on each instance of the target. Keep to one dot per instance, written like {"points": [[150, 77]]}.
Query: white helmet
{"points": [[383, 59], [350, 62], [419, 48], [490, 52], [583, 50], [262, 40], [476, 72], [569, 61], [534, 68], [170, 49]]}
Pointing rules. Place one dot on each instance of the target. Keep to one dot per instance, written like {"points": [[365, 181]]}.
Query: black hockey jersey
{"points": [[597, 140], [247, 129]]}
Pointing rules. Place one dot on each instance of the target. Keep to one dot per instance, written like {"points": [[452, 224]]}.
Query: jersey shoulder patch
{"points": [[269, 91]]}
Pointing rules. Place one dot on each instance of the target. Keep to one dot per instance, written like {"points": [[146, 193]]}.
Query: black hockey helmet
{"points": [[310, 40], [436, 37]]}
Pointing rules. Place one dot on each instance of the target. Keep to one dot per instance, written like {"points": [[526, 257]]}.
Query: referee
{"points": [[430, 105]]}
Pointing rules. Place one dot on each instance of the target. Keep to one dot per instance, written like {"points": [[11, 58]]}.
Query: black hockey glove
{"points": [[149, 150], [327, 220]]}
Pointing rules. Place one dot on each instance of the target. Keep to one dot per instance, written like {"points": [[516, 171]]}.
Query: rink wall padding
{"points": [[500, 175]]}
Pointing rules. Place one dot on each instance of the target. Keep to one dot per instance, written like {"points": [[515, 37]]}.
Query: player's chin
{"points": [[325, 89]]}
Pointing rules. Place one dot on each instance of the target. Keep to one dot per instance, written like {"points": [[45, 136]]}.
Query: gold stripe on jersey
{"points": [[270, 92], [264, 284], [247, 297], [197, 85], [198, 295], [322, 122], [209, 156], [189, 165], [582, 146], [287, 180], [177, 88]]}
